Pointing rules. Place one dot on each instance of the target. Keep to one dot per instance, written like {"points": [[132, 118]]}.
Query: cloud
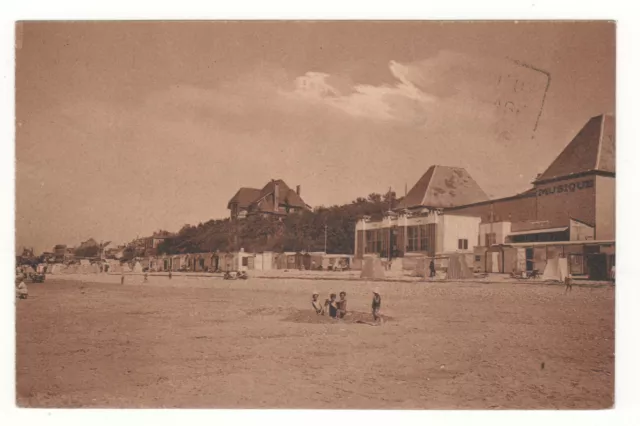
{"points": [[401, 101], [495, 94]]}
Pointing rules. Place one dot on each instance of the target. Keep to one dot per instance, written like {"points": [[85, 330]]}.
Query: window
{"points": [[384, 242], [245, 261], [413, 238], [374, 241], [463, 244], [379, 241], [478, 258], [489, 239], [424, 237]]}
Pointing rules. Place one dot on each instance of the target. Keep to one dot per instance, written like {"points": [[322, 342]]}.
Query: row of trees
{"points": [[304, 231]]}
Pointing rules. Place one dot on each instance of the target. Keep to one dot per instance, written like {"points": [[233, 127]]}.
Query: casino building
{"points": [[569, 212]]}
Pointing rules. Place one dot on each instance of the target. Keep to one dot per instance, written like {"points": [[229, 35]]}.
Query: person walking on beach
{"points": [[146, 277], [375, 305], [613, 273], [432, 269], [342, 305], [122, 279], [316, 303]]}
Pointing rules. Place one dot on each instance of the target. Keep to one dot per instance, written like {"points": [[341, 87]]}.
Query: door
{"points": [[576, 264], [495, 262], [597, 265], [529, 258], [393, 242]]}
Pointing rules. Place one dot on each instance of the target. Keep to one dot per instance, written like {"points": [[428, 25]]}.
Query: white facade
{"points": [[453, 233], [456, 230], [501, 230]]}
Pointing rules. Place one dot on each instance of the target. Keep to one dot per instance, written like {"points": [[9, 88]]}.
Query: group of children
{"points": [[338, 308]]}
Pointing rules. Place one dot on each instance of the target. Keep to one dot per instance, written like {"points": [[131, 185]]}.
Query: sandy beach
{"points": [[87, 341]]}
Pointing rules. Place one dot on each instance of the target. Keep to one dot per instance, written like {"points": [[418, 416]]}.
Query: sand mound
{"points": [[310, 317]]}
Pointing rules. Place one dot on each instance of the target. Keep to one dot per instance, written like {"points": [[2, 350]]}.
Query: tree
{"points": [[87, 251], [390, 197], [294, 232], [374, 198]]}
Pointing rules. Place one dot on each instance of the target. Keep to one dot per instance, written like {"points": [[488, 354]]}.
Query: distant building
{"points": [[90, 243], [27, 257], [60, 253], [115, 252], [276, 198], [27, 253], [48, 257], [568, 213], [420, 223], [148, 246], [159, 237], [88, 249]]}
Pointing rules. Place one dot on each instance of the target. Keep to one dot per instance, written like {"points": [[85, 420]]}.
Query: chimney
{"points": [[298, 189], [276, 196]]}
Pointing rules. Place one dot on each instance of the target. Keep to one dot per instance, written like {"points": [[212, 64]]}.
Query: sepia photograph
{"points": [[371, 215]]}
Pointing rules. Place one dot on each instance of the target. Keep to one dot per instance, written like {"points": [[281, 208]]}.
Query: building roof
{"points": [[244, 197], [539, 231], [443, 186], [592, 149], [286, 196]]}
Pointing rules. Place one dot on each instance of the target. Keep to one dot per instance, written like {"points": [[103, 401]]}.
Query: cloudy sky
{"points": [[126, 128]]}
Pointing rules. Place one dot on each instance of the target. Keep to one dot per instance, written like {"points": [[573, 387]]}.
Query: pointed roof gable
{"points": [[592, 149], [285, 196], [443, 186], [244, 197]]}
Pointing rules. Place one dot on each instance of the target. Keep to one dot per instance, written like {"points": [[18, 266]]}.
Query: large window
{"points": [[413, 238], [424, 237], [421, 238], [375, 241]]}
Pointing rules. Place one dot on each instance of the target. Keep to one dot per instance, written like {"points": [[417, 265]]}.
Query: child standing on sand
{"points": [[316, 303], [342, 305], [332, 305], [375, 305]]}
